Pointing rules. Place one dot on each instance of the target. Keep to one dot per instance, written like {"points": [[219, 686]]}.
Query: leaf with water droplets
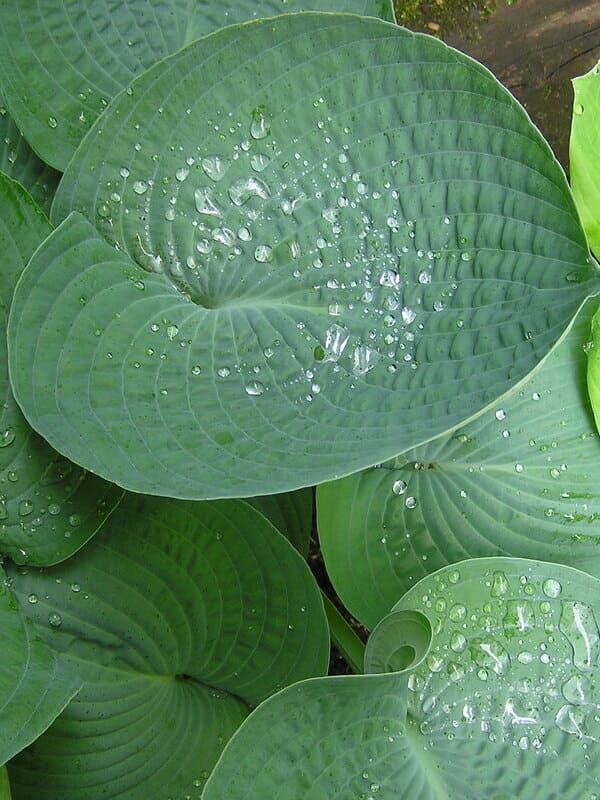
{"points": [[18, 161], [583, 153], [49, 507], [60, 68], [321, 285], [179, 617], [470, 710], [35, 683], [522, 479]]}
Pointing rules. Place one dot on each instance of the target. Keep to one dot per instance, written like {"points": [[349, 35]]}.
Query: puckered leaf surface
{"points": [[48, 506], [319, 241], [523, 479], [503, 705], [61, 61], [179, 617]]}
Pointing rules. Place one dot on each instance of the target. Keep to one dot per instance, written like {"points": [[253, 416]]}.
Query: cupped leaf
{"points": [[291, 513], [60, 63], [179, 617], [364, 243], [504, 704], [48, 507], [19, 161], [583, 153], [35, 683], [523, 479]]}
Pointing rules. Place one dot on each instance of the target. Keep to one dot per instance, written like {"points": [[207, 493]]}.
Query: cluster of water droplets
{"points": [[515, 669]]}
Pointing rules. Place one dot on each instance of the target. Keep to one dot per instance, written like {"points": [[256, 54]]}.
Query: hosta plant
{"points": [[288, 250]]}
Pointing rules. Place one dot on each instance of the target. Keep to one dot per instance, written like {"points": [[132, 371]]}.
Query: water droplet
{"points": [[52, 122], [390, 278], [25, 508], [408, 315], [519, 617], [263, 253], [215, 167], [33, 599], [196, 370], [458, 642], [223, 372], [74, 520], [182, 174], [336, 339], [13, 475], [576, 690], [519, 468], [53, 509], [551, 588], [224, 236], [364, 359], [244, 188], [254, 388], [124, 172], [500, 585], [260, 125], [205, 204], [399, 487], [578, 623], [75, 587], [410, 502], [259, 161], [7, 437], [55, 619], [458, 612], [578, 109], [570, 719], [490, 654], [500, 414], [140, 187]]}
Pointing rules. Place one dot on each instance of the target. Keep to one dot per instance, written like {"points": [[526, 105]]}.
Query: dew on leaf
{"points": [[244, 188], [140, 187], [578, 624], [215, 167], [254, 389], [205, 203], [263, 253], [7, 437]]}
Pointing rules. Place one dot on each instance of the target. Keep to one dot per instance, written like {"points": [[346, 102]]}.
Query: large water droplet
{"points": [[140, 187], [576, 690], [244, 188], [519, 617], [551, 588], [578, 623], [206, 204], [399, 487], [263, 253], [336, 339], [254, 389], [7, 437], [489, 653], [260, 125], [215, 167], [364, 359], [500, 585], [570, 719]]}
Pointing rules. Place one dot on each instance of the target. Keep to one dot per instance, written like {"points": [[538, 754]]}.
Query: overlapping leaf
{"points": [[335, 240], [19, 161], [35, 685], [504, 704], [583, 153], [291, 513], [179, 617], [61, 61], [521, 480], [4, 785], [48, 506]]}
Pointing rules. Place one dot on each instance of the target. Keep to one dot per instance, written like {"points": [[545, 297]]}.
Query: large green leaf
{"points": [[19, 161], [35, 684], [503, 706], [291, 513], [48, 507], [522, 480], [364, 243], [179, 616], [61, 62], [583, 153]]}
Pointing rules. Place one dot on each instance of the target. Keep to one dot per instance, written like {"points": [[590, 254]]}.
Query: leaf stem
{"points": [[344, 638]]}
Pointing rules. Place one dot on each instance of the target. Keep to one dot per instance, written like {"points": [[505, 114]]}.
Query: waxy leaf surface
{"points": [[61, 61], [179, 617], [35, 685], [503, 705], [520, 480], [48, 506], [320, 240]]}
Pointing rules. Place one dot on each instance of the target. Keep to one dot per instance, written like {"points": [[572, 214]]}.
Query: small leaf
{"points": [[49, 507], [583, 153], [502, 705], [254, 325], [59, 67], [179, 618], [522, 479], [35, 683]]}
